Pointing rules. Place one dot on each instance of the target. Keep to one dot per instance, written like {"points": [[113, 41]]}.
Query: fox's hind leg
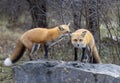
{"points": [[34, 50], [90, 57], [46, 51]]}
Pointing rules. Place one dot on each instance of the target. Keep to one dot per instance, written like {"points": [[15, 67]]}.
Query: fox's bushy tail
{"points": [[16, 55]]}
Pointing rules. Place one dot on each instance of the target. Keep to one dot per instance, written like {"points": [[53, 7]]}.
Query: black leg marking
{"points": [[75, 54], [46, 51], [84, 56]]}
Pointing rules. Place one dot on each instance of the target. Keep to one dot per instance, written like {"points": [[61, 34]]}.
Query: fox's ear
{"points": [[61, 28], [72, 34], [83, 33]]}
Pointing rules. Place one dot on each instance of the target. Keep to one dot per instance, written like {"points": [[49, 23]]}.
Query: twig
{"points": [[56, 42], [59, 39]]}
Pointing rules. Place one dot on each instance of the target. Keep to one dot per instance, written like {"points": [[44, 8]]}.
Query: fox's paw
{"points": [[85, 60]]}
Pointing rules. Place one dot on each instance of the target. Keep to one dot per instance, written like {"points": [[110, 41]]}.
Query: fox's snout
{"points": [[68, 32], [78, 44]]}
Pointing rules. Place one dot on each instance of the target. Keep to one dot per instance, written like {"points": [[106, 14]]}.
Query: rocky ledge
{"points": [[44, 71]]}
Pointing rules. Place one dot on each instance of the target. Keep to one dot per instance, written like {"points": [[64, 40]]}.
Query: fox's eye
{"points": [[80, 40], [75, 40], [61, 28]]}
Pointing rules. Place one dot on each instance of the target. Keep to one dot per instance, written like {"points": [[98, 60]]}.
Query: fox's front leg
{"points": [[84, 57], [75, 54], [46, 51]]}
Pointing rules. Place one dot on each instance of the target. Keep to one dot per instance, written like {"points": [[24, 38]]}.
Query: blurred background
{"points": [[101, 17]]}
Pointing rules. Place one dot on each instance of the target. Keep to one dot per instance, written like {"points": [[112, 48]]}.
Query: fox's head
{"points": [[77, 39], [64, 28]]}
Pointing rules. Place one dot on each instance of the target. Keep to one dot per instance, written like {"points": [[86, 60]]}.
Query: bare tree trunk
{"points": [[93, 20], [77, 13], [38, 12]]}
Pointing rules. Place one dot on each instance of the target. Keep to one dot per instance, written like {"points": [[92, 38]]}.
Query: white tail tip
{"points": [[7, 62]]}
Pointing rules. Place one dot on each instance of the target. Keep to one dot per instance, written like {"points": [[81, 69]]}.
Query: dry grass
{"points": [[7, 44]]}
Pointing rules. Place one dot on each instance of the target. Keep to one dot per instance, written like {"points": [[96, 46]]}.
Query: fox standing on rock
{"points": [[36, 35], [82, 38]]}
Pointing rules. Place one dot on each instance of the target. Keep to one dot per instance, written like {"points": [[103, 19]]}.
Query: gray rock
{"points": [[65, 72]]}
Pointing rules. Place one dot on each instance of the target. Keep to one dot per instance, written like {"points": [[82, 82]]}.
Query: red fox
{"points": [[36, 35], [82, 38]]}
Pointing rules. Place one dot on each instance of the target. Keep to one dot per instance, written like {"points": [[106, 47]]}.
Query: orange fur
{"points": [[82, 38], [19, 50], [36, 35]]}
